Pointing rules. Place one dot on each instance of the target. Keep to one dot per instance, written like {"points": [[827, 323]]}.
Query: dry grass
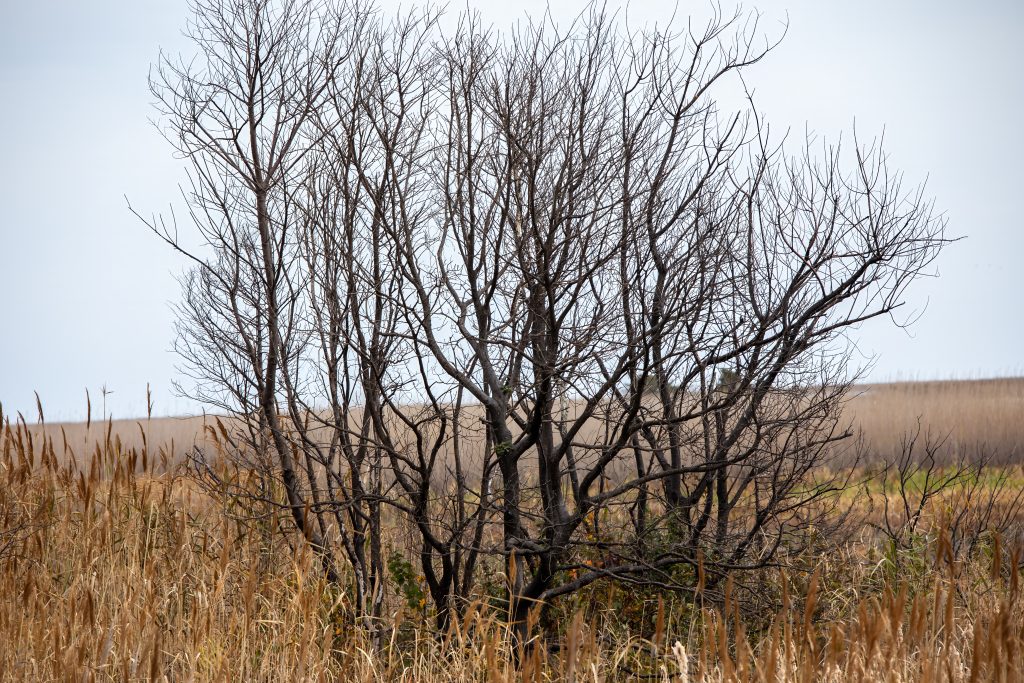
{"points": [[115, 567], [173, 437], [975, 415]]}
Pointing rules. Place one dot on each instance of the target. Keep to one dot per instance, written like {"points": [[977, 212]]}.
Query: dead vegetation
{"points": [[970, 417], [530, 361], [114, 566]]}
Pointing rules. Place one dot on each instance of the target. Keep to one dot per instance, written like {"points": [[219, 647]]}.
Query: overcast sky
{"points": [[87, 291]]}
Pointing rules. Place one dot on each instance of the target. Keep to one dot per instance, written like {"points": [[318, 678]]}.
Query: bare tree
{"points": [[606, 230], [241, 114], [365, 189], [980, 503], [535, 293]]}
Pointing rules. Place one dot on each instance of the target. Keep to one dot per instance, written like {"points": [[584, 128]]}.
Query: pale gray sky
{"points": [[86, 290]]}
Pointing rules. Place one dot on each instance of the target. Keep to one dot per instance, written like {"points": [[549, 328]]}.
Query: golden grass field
{"points": [[115, 570], [985, 415], [972, 416]]}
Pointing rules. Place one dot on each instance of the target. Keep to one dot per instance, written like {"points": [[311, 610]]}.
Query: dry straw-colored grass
{"points": [[973, 416], [115, 567]]}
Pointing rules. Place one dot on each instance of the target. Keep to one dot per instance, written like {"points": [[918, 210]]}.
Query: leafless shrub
{"points": [[534, 291], [979, 503]]}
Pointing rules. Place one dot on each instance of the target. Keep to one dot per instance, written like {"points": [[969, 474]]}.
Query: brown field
{"points": [[970, 417], [111, 570], [973, 416]]}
